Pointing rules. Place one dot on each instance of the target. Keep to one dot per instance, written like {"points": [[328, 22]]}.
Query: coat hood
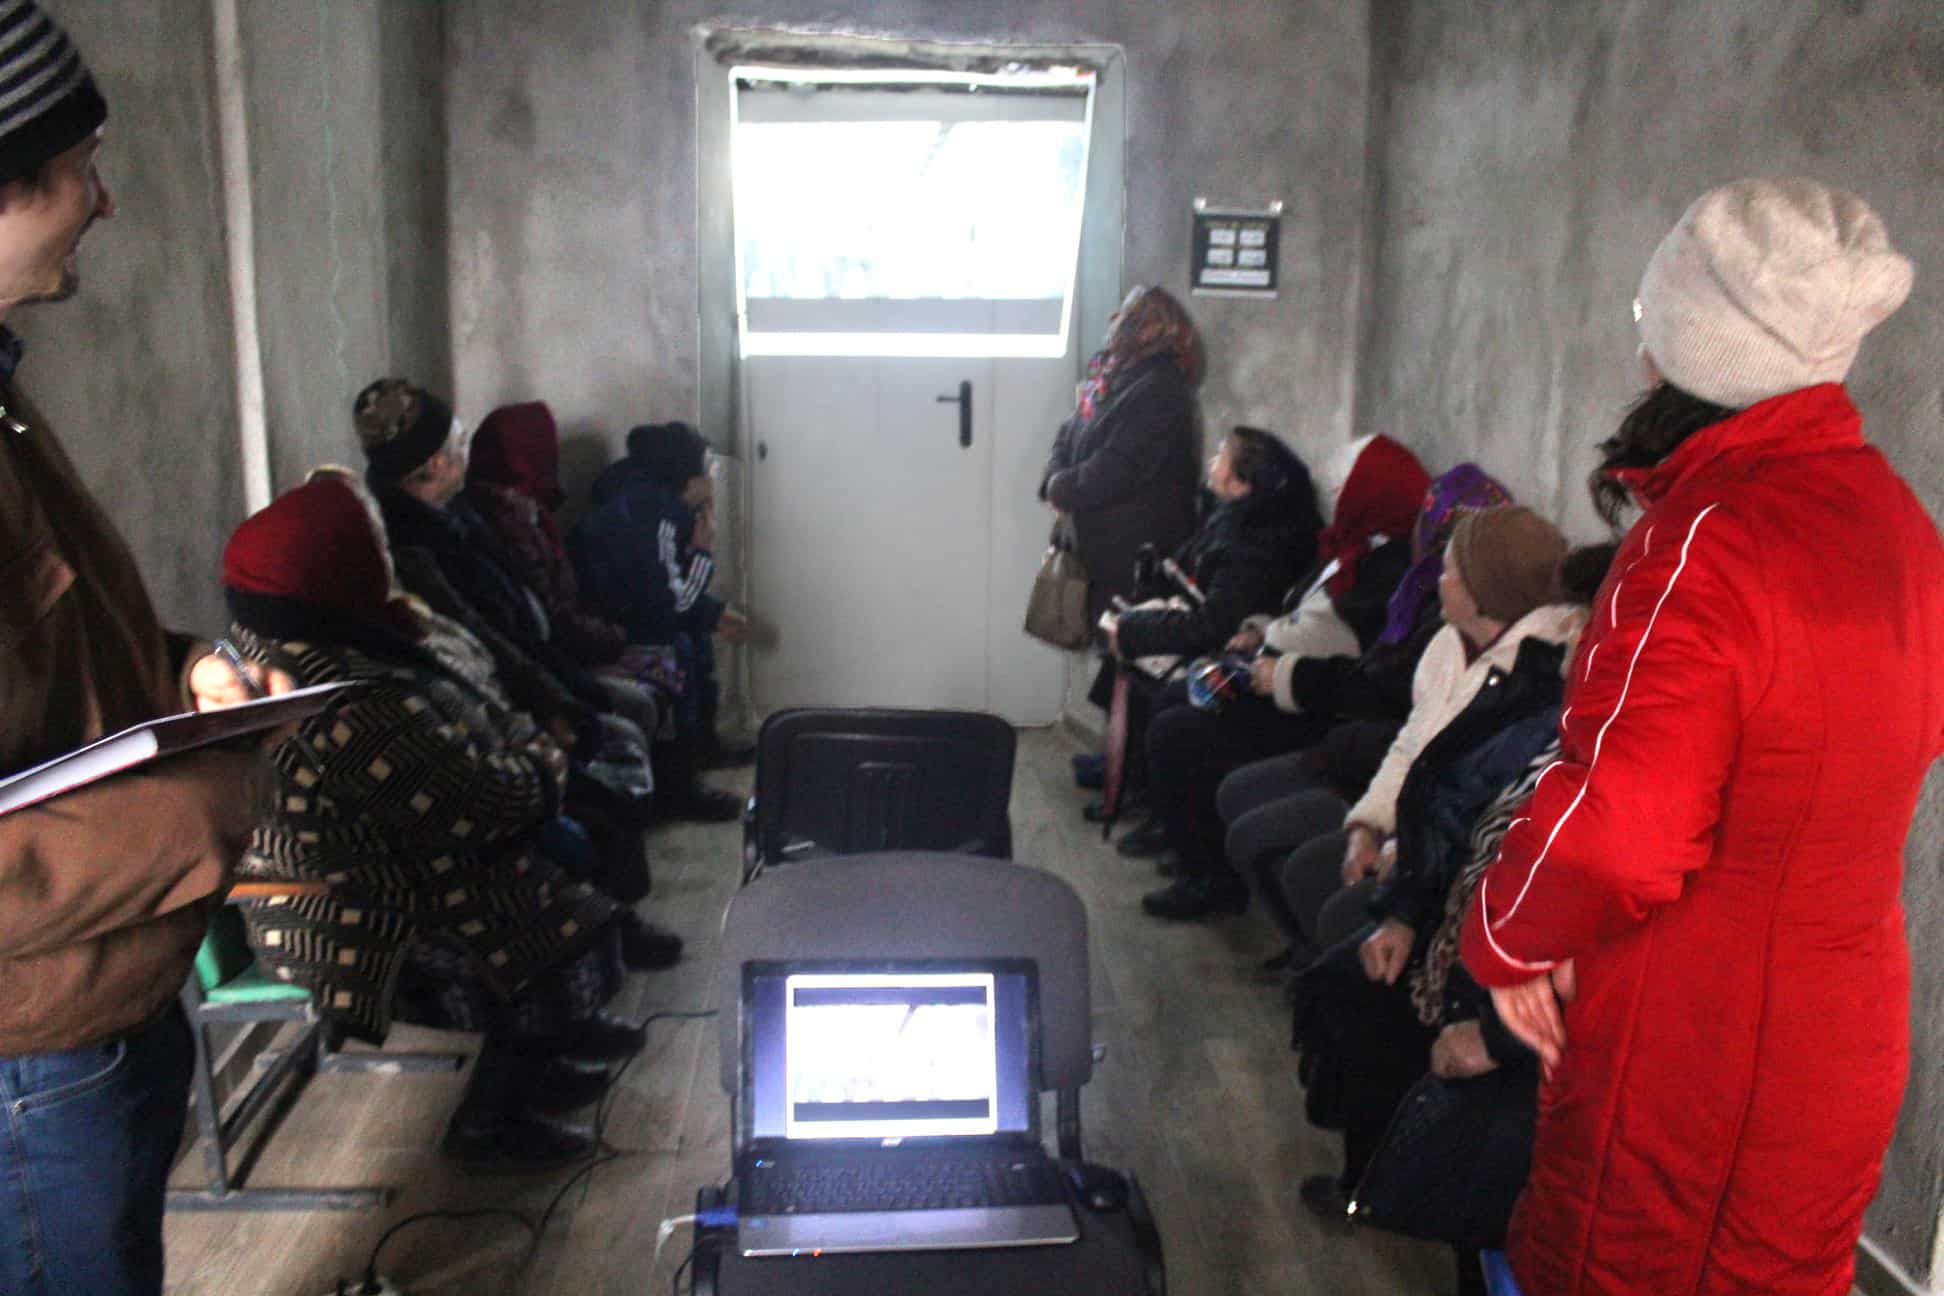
{"points": [[519, 446]]}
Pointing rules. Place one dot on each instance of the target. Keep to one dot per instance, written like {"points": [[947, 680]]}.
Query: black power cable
{"points": [[602, 1154]]}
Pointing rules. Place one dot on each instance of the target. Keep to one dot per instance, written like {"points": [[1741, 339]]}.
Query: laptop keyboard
{"points": [[902, 1184]]}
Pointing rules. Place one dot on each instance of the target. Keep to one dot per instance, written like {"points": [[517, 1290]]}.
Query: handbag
{"points": [[1453, 1159], [1056, 610]]}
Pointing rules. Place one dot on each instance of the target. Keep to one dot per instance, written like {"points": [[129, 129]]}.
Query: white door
{"points": [[898, 248]]}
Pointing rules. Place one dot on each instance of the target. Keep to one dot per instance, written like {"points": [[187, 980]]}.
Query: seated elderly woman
{"points": [[1372, 489], [406, 801], [1390, 1001], [1275, 805]]}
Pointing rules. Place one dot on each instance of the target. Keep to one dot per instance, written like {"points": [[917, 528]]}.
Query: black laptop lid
{"points": [[876, 1053]]}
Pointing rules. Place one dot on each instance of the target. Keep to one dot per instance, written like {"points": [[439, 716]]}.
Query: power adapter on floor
{"points": [[377, 1286]]}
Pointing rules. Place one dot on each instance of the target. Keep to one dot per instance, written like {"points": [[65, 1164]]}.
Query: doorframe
{"points": [[1099, 276]]}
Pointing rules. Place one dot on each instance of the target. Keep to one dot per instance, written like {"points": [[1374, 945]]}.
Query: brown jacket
{"points": [[102, 892]]}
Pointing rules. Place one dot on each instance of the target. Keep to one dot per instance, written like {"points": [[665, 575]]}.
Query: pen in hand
{"points": [[227, 651]]}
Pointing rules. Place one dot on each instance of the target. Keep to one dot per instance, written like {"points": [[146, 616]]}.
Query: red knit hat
{"points": [[314, 544]]}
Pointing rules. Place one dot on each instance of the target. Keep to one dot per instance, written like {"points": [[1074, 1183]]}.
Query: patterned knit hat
{"points": [[400, 427], [48, 102]]}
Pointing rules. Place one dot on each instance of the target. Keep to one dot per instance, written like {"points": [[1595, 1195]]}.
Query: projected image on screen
{"points": [[890, 1056]]}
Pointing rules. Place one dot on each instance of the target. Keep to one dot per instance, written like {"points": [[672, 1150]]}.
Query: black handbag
{"points": [[1453, 1159]]}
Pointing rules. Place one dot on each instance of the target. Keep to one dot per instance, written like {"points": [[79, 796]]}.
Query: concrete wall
{"points": [[347, 172], [574, 187], [135, 371], [1530, 155]]}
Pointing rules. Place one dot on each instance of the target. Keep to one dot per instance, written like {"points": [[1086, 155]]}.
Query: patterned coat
{"points": [[408, 803]]}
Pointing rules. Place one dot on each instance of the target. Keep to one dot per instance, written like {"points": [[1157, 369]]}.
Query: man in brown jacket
{"points": [[104, 892]]}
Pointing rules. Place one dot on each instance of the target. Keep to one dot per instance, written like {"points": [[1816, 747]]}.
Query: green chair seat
{"points": [[254, 987], [227, 971]]}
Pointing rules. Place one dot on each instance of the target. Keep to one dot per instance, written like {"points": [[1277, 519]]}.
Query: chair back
{"points": [[918, 905], [835, 781]]}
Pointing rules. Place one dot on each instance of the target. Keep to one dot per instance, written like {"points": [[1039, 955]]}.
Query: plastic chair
{"points": [[227, 988], [843, 782], [919, 905]]}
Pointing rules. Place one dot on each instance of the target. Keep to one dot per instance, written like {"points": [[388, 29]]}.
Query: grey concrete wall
{"points": [[313, 85], [135, 372], [1531, 155], [413, 182], [573, 164]]}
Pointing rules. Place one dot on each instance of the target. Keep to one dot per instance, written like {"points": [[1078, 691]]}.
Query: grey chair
{"points": [[924, 905]]}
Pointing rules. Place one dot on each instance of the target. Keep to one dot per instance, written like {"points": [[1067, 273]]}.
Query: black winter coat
{"points": [[1458, 775], [1246, 553], [1375, 686], [1127, 476]]}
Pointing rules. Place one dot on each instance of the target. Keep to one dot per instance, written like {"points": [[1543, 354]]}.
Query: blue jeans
{"points": [[85, 1151]]}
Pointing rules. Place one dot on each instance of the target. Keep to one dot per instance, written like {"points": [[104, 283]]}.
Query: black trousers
{"points": [[1190, 752]]}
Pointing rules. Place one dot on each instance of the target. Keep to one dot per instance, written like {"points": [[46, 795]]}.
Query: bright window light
{"points": [[881, 222]]}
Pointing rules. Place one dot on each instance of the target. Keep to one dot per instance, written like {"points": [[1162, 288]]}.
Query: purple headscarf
{"points": [[1465, 487]]}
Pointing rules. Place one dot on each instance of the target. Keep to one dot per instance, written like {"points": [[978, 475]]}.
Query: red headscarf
{"points": [[1381, 496], [519, 446], [315, 545]]}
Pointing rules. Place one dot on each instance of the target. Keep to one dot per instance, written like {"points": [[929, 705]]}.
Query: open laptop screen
{"points": [[887, 1055]]}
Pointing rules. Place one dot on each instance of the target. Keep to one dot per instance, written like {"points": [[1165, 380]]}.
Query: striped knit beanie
{"points": [[48, 102]]}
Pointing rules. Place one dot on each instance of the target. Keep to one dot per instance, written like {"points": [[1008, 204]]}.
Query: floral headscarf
{"points": [[1465, 487]]}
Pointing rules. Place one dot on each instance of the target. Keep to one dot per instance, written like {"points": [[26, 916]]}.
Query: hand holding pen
{"points": [[225, 677]]}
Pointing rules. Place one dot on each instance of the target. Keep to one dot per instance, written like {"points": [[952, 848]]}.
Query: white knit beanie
{"points": [[1766, 286]]}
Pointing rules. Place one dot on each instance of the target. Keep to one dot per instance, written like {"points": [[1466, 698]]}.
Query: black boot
{"points": [[566, 1084], [494, 1127], [605, 1037], [1147, 841], [646, 947], [698, 802], [1197, 897], [1325, 1198]]}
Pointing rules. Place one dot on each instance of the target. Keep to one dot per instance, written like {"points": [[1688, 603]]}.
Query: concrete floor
{"points": [[1197, 1095]]}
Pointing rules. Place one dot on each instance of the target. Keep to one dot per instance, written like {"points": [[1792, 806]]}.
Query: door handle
{"points": [[964, 401]]}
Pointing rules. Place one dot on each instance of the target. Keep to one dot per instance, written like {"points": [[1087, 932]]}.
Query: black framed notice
{"points": [[1234, 252]]}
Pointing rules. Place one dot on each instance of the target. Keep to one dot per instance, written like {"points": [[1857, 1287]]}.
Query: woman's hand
{"points": [[1386, 951], [1387, 860], [733, 626], [1532, 1012], [1247, 640], [1262, 676], [1360, 857], [1459, 1052]]}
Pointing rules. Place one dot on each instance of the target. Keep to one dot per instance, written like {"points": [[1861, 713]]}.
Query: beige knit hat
{"points": [[1766, 286], [1509, 559]]}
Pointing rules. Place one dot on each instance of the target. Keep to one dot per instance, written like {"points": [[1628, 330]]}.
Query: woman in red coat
{"points": [[1708, 880]]}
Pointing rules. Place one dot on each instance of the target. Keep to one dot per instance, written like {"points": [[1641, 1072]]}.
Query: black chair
{"points": [[922, 906], [833, 781]]}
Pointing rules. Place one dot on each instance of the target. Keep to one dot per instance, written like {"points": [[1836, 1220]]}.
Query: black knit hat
{"points": [[48, 102], [400, 427], [668, 453]]}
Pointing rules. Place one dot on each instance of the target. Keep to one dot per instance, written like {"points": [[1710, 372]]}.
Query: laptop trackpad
{"points": [[925, 1230]]}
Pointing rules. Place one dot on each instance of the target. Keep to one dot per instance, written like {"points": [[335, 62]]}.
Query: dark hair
{"points": [[1260, 458], [1584, 570], [1652, 428]]}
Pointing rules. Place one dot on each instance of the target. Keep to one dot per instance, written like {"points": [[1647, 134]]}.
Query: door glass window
{"points": [[907, 222]]}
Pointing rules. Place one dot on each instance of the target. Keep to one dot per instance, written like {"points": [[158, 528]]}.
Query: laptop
{"points": [[890, 1107]]}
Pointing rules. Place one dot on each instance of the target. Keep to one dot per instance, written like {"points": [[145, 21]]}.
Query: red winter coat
{"points": [[1720, 849]]}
